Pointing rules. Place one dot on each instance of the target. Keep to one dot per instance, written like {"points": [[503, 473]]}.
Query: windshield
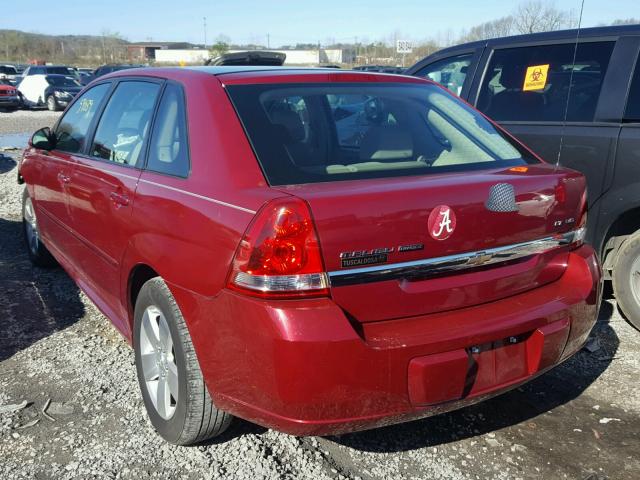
{"points": [[8, 70], [59, 70], [327, 132], [62, 81]]}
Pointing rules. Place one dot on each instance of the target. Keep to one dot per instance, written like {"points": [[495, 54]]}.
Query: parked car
{"points": [[584, 114], [48, 70], [380, 68], [104, 70], [53, 91], [10, 73], [263, 269], [9, 98], [249, 58], [20, 67]]}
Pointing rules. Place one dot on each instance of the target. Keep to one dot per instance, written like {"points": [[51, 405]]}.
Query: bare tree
{"points": [[626, 21], [500, 27], [538, 16]]}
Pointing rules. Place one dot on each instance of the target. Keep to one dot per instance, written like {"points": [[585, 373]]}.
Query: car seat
{"points": [[512, 103]]}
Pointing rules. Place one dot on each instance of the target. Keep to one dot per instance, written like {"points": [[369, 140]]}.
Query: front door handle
{"points": [[63, 178], [120, 199]]}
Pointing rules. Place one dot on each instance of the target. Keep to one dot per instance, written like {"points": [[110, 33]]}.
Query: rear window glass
{"points": [[59, 70], [60, 81], [327, 132]]}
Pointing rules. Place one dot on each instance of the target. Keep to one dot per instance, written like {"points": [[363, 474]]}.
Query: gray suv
{"points": [[574, 98]]}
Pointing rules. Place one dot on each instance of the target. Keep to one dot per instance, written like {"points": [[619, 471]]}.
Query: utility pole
{"points": [[356, 45], [268, 42], [204, 21]]}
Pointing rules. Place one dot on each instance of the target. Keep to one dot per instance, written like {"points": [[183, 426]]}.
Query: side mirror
{"points": [[43, 139]]}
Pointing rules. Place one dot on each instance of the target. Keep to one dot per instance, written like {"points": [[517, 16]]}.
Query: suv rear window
{"points": [[532, 83], [326, 132]]}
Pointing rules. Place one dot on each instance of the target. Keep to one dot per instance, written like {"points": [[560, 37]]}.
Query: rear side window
{"points": [[532, 83], [328, 132], [124, 124], [632, 112], [169, 150], [450, 72], [74, 125]]}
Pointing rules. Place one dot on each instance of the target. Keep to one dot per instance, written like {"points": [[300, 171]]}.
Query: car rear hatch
{"points": [[510, 232], [421, 204]]}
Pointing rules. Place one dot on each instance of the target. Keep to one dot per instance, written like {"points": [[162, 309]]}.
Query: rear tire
{"points": [[173, 389], [38, 253], [626, 279]]}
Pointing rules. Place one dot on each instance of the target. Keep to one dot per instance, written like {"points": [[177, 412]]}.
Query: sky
{"points": [[283, 22]]}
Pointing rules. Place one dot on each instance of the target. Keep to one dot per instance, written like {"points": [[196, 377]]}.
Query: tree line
{"points": [[529, 16]]}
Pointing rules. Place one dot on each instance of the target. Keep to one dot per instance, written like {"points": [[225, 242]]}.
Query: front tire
{"points": [[38, 253], [173, 389], [626, 279], [52, 105]]}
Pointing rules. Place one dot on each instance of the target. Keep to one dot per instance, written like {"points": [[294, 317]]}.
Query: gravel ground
{"points": [[29, 121], [580, 421]]}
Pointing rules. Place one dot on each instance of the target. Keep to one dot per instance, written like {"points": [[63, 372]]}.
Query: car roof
{"points": [[232, 74], [585, 33]]}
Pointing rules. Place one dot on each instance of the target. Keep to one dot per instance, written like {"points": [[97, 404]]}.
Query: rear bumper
{"points": [[301, 367]]}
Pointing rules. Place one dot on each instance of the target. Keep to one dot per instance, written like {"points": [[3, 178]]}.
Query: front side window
{"points": [[169, 150], [74, 125], [450, 72], [533, 83], [124, 124], [328, 132]]}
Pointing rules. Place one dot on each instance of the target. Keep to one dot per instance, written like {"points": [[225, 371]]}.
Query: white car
{"points": [[10, 73], [54, 91]]}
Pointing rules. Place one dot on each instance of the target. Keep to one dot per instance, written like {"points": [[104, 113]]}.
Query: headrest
{"points": [[386, 143], [292, 123]]}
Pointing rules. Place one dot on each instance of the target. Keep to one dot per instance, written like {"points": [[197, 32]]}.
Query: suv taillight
{"points": [[581, 231], [279, 255]]}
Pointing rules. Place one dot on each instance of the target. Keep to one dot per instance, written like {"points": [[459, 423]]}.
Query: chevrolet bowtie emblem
{"points": [[479, 258]]}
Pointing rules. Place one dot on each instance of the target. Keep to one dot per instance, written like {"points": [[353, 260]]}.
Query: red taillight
{"points": [[279, 255]]}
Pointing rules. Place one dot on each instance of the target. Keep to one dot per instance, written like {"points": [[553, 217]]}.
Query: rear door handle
{"points": [[119, 199]]}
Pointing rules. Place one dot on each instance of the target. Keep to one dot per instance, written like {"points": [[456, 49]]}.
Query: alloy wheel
{"points": [[158, 362], [635, 279]]}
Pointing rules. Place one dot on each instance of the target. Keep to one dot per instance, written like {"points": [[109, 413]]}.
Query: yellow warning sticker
{"points": [[536, 77]]}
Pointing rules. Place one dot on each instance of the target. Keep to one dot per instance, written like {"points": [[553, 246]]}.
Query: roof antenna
{"points": [[573, 66]]}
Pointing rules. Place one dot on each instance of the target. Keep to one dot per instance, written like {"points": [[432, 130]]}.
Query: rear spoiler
{"points": [[251, 58]]}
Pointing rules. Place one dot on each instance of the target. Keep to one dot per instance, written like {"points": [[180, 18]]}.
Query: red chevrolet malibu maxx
{"points": [[314, 251]]}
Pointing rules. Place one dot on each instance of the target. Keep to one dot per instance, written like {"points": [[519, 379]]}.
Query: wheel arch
{"points": [[138, 276], [625, 224]]}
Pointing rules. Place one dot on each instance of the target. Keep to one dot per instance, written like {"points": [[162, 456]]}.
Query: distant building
{"points": [[181, 56], [294, 57], [146, 51]]}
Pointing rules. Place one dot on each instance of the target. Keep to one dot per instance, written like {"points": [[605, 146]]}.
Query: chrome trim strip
{"points": [[196, 195], [140, 179], [451, 263]]}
